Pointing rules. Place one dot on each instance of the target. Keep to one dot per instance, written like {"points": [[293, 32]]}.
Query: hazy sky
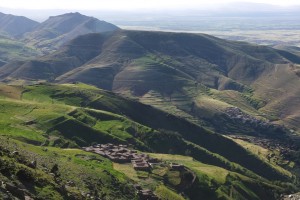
{"points": [[126, 4]]}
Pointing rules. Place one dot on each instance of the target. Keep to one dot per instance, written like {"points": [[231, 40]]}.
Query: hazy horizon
{"points": [[131, 4], [114, 9]]}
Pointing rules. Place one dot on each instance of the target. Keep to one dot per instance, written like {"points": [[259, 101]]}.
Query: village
{"points": [[140, 162], [121, 154]]}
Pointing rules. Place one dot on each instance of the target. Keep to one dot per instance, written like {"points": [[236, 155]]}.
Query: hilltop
{"points": [[57, 30], [15, 26]]}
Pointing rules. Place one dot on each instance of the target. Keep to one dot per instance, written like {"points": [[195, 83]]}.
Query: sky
{"points": [[127, 4]]}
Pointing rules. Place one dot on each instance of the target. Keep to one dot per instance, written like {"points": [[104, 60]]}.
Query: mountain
{"points": [[58, 30], [48, 123], [198, 77], [16, 26]]}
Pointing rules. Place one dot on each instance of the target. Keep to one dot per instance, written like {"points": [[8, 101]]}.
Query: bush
{"points": [[25, 175]]}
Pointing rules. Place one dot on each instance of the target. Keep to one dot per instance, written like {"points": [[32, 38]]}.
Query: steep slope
{"points": [[148, 116], [70, 116], [58, 30], [16, 26], [34, 172]]}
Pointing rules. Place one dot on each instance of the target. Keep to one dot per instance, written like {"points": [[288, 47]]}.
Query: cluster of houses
{"points": [[121, 154], [238, 114], [140, 161]]}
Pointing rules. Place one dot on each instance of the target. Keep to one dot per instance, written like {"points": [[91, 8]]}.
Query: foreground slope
{"points": [[37, 172], [79, 115]]}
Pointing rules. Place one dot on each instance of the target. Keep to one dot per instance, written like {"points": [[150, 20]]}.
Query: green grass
{"points": [[12, 118], [128, 170], [40, 93], [80, 85], [122, 128], [57, 110], [144, 179], [167, 194], [115, 127], [173, 178], [216, 173], [220, 179]]}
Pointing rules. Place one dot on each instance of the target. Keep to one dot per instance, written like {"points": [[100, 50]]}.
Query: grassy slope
{"points": [[218, 177], [212, 182], [91, 174], [105, 101], [49, 114]]}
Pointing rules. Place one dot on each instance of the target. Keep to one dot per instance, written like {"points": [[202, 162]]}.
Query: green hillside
{"points": [[194, 76], [60, 117]]}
